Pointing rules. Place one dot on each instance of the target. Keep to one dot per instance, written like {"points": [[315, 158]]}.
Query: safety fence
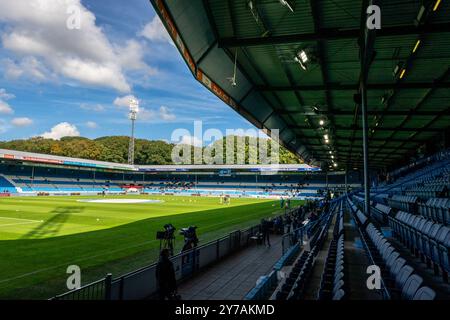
{"points": [[292, 244], [142, 283]]}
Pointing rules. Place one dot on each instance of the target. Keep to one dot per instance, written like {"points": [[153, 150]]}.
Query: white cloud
{"points": [[28, 67], [92, 107], [166, 114], [5, 108], [124, 101], [150, 115], [5, 95], [191, 140], [155, 31], [37, 31], [22, 122], [91, 125], [131, 57], [63, 129], [147, 115]]}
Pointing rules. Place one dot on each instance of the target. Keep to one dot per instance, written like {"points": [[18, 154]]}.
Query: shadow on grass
{"points": [[51, 227], [117, 249]]}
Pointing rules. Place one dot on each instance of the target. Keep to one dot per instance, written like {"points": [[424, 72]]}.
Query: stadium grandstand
{"points": [[366, 216], [27, 173]]}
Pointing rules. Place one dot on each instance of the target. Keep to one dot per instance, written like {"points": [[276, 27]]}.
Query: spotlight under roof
{"points": [[287, 4]]}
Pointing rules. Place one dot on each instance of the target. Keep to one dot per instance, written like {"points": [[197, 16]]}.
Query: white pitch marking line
{"points": [[16, 224], [10, 218]]}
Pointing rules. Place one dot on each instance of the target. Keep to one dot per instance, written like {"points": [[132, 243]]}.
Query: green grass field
{"points": [[41, 237]]}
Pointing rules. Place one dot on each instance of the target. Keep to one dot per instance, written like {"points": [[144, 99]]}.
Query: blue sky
{"points": [[56, 80]]}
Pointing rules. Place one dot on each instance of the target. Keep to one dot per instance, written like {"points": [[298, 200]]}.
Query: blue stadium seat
{"points": [[397, 266], [400, 278], [424, 293], [411, 286], [339, 295]]}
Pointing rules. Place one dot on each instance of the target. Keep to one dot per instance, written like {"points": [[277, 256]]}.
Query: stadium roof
{"points": [[38, 158], [408, 82]]}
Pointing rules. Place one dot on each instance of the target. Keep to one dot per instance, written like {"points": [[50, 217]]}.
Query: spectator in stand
{"points": [[288, 222]]}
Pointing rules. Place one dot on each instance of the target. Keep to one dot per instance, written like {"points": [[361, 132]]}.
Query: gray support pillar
{"points": [[346, 187], [363, 90]]}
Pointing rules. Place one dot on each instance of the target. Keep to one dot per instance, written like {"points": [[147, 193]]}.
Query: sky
{"points": [[69, 68]]}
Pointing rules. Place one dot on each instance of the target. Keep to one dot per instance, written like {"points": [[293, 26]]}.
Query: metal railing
{"points": [[293, 237], [97, 290], [384, 289], [142, 284]]}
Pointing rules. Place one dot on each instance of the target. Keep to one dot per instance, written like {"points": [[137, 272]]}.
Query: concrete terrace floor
{"points": [[235, 276]]}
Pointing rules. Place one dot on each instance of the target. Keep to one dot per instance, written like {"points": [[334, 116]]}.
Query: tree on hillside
{"points": [[115, 149]]}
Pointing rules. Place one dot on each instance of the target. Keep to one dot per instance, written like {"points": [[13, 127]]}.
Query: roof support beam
{"points": [[436, 118], [322, 60], [332, 34], [369, 112], [351, 128], [354, 87], [416, 108]]}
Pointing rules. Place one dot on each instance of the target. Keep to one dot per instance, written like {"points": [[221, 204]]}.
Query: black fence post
{"points": [[108, 282], [217, 249], [121, 289]]}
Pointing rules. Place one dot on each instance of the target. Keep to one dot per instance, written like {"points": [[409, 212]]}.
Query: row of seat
{"points": [[399, 278], [294, 285], [381, 212], [296, 277], [426, 192], [332, 282], [423, 237], [436, 209], [405, 203]]}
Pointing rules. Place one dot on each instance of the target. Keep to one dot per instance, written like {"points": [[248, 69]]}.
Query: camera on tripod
{"points": [[190, 237], [166, 238], [168, 233]]}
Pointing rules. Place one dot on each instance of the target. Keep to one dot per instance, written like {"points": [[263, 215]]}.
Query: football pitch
{"points": [[41, 236]]}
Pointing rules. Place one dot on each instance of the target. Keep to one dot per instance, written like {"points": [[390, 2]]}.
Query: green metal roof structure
{"points": [[408, 81]]}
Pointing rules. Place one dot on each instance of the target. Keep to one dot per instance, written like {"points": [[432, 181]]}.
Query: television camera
{"points": [[190, 237], [166, 238]]}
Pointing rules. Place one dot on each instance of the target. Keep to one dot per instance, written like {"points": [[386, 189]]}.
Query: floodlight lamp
{"points": [[335, 164], [134, 106], [302, 58], [321, 122], [287, 4]]}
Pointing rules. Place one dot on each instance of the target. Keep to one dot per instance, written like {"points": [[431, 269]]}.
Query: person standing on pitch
{"points": [[165, 276]]}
